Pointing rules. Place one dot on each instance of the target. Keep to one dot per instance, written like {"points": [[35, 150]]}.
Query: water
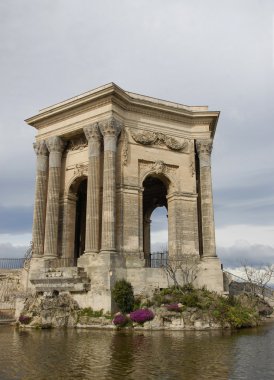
{"points": [[95, 354]]}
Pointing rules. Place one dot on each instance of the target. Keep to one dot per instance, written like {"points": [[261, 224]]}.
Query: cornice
{"points": [[127, 101]]}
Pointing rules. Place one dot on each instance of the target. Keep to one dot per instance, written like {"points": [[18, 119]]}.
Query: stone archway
{"points": [[154, 196], [74, 220]]}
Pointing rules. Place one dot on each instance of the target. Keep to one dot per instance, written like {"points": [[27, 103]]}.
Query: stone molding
{"points": [[157, 138], [183, 195]]}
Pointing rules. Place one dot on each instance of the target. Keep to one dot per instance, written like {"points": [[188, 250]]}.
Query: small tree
{"points": [[123, 295], [258, 277], [184, 265]]}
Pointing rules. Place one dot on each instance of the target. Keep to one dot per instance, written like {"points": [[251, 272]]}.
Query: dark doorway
{"points": [[154, 196], [80, 220]]}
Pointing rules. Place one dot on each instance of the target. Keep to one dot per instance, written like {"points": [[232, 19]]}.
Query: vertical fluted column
{"points": [[110, 130], [92, 244], [147, 244], [55, 146], [40, 203], [204, 148]]}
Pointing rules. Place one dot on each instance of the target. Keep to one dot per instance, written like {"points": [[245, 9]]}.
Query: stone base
{"points": [[102, 271], [210, 275]]}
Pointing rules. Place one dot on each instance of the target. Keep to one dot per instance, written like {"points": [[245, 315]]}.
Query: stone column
{"points": [[55, 146], [147, 244], [110, 130], [204, 148], [40, 203], [92, 243]]}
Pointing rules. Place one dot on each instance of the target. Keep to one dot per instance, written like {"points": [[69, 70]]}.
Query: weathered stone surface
{"points": [[54, 311], [122, 144]]}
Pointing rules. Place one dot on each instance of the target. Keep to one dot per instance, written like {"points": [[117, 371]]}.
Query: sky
{"points": [[194, 52]]}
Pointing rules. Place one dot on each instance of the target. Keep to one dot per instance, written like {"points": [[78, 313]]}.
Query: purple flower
{"points": [[24, 319], [141, 315], [120, 320], [174, 307]]}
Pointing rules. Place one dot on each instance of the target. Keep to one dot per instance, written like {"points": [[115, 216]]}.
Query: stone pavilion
{"points": [[106, 160]]}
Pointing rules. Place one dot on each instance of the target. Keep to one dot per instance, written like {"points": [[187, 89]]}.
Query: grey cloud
{"points": [[8, 250], [249, 200], [236, 255], [15, 220], [216, 53]]}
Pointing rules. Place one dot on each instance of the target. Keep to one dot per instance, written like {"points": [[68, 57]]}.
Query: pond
{"points": [[100, 354]]}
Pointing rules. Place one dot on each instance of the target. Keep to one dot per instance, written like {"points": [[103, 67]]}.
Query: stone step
{"points": [[72, 279]]}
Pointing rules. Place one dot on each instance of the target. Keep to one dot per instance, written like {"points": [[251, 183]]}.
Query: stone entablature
{"points": [[100, 156]]}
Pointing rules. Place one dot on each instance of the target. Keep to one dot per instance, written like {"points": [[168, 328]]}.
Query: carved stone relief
{"points": [[157, 167], [124, 141], [80, 169], [156, 138], [79, 142]]}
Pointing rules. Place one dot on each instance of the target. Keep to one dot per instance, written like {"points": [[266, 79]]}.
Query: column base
{"points": [[108, 251], [91, 252]]}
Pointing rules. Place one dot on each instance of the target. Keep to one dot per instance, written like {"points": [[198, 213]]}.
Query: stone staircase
{"points": [[72, 279]]}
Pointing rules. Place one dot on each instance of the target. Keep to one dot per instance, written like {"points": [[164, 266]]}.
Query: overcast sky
{"points": [[215, 53]]}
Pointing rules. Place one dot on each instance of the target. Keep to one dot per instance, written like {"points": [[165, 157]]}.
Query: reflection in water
{"points": [[95, 354]]}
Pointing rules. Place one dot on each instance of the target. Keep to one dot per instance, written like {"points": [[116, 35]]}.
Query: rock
{"points": [[55, 311]]}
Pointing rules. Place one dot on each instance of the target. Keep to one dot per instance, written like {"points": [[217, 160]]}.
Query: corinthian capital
{"points": [[204, 146], [110, 127], [40, 148], [55, 144], [92, 132]]}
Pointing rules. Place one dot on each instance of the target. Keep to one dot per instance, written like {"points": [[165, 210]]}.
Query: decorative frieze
{"points": [[157, 138]]}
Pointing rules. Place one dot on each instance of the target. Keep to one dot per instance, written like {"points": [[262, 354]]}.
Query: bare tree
{"points": [[258, 277], [182, 268]]}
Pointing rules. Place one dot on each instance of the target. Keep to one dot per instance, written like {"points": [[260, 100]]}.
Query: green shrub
{"points": [[89, 312], [123, 295]]}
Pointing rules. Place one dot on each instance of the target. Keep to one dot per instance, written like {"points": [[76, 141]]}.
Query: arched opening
{"points": [[80, 219], [154, 198]]}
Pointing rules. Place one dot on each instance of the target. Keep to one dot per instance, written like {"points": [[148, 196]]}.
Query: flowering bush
{"points": [[120, 320], [24, 319], [174, 307], [141, 315]]}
